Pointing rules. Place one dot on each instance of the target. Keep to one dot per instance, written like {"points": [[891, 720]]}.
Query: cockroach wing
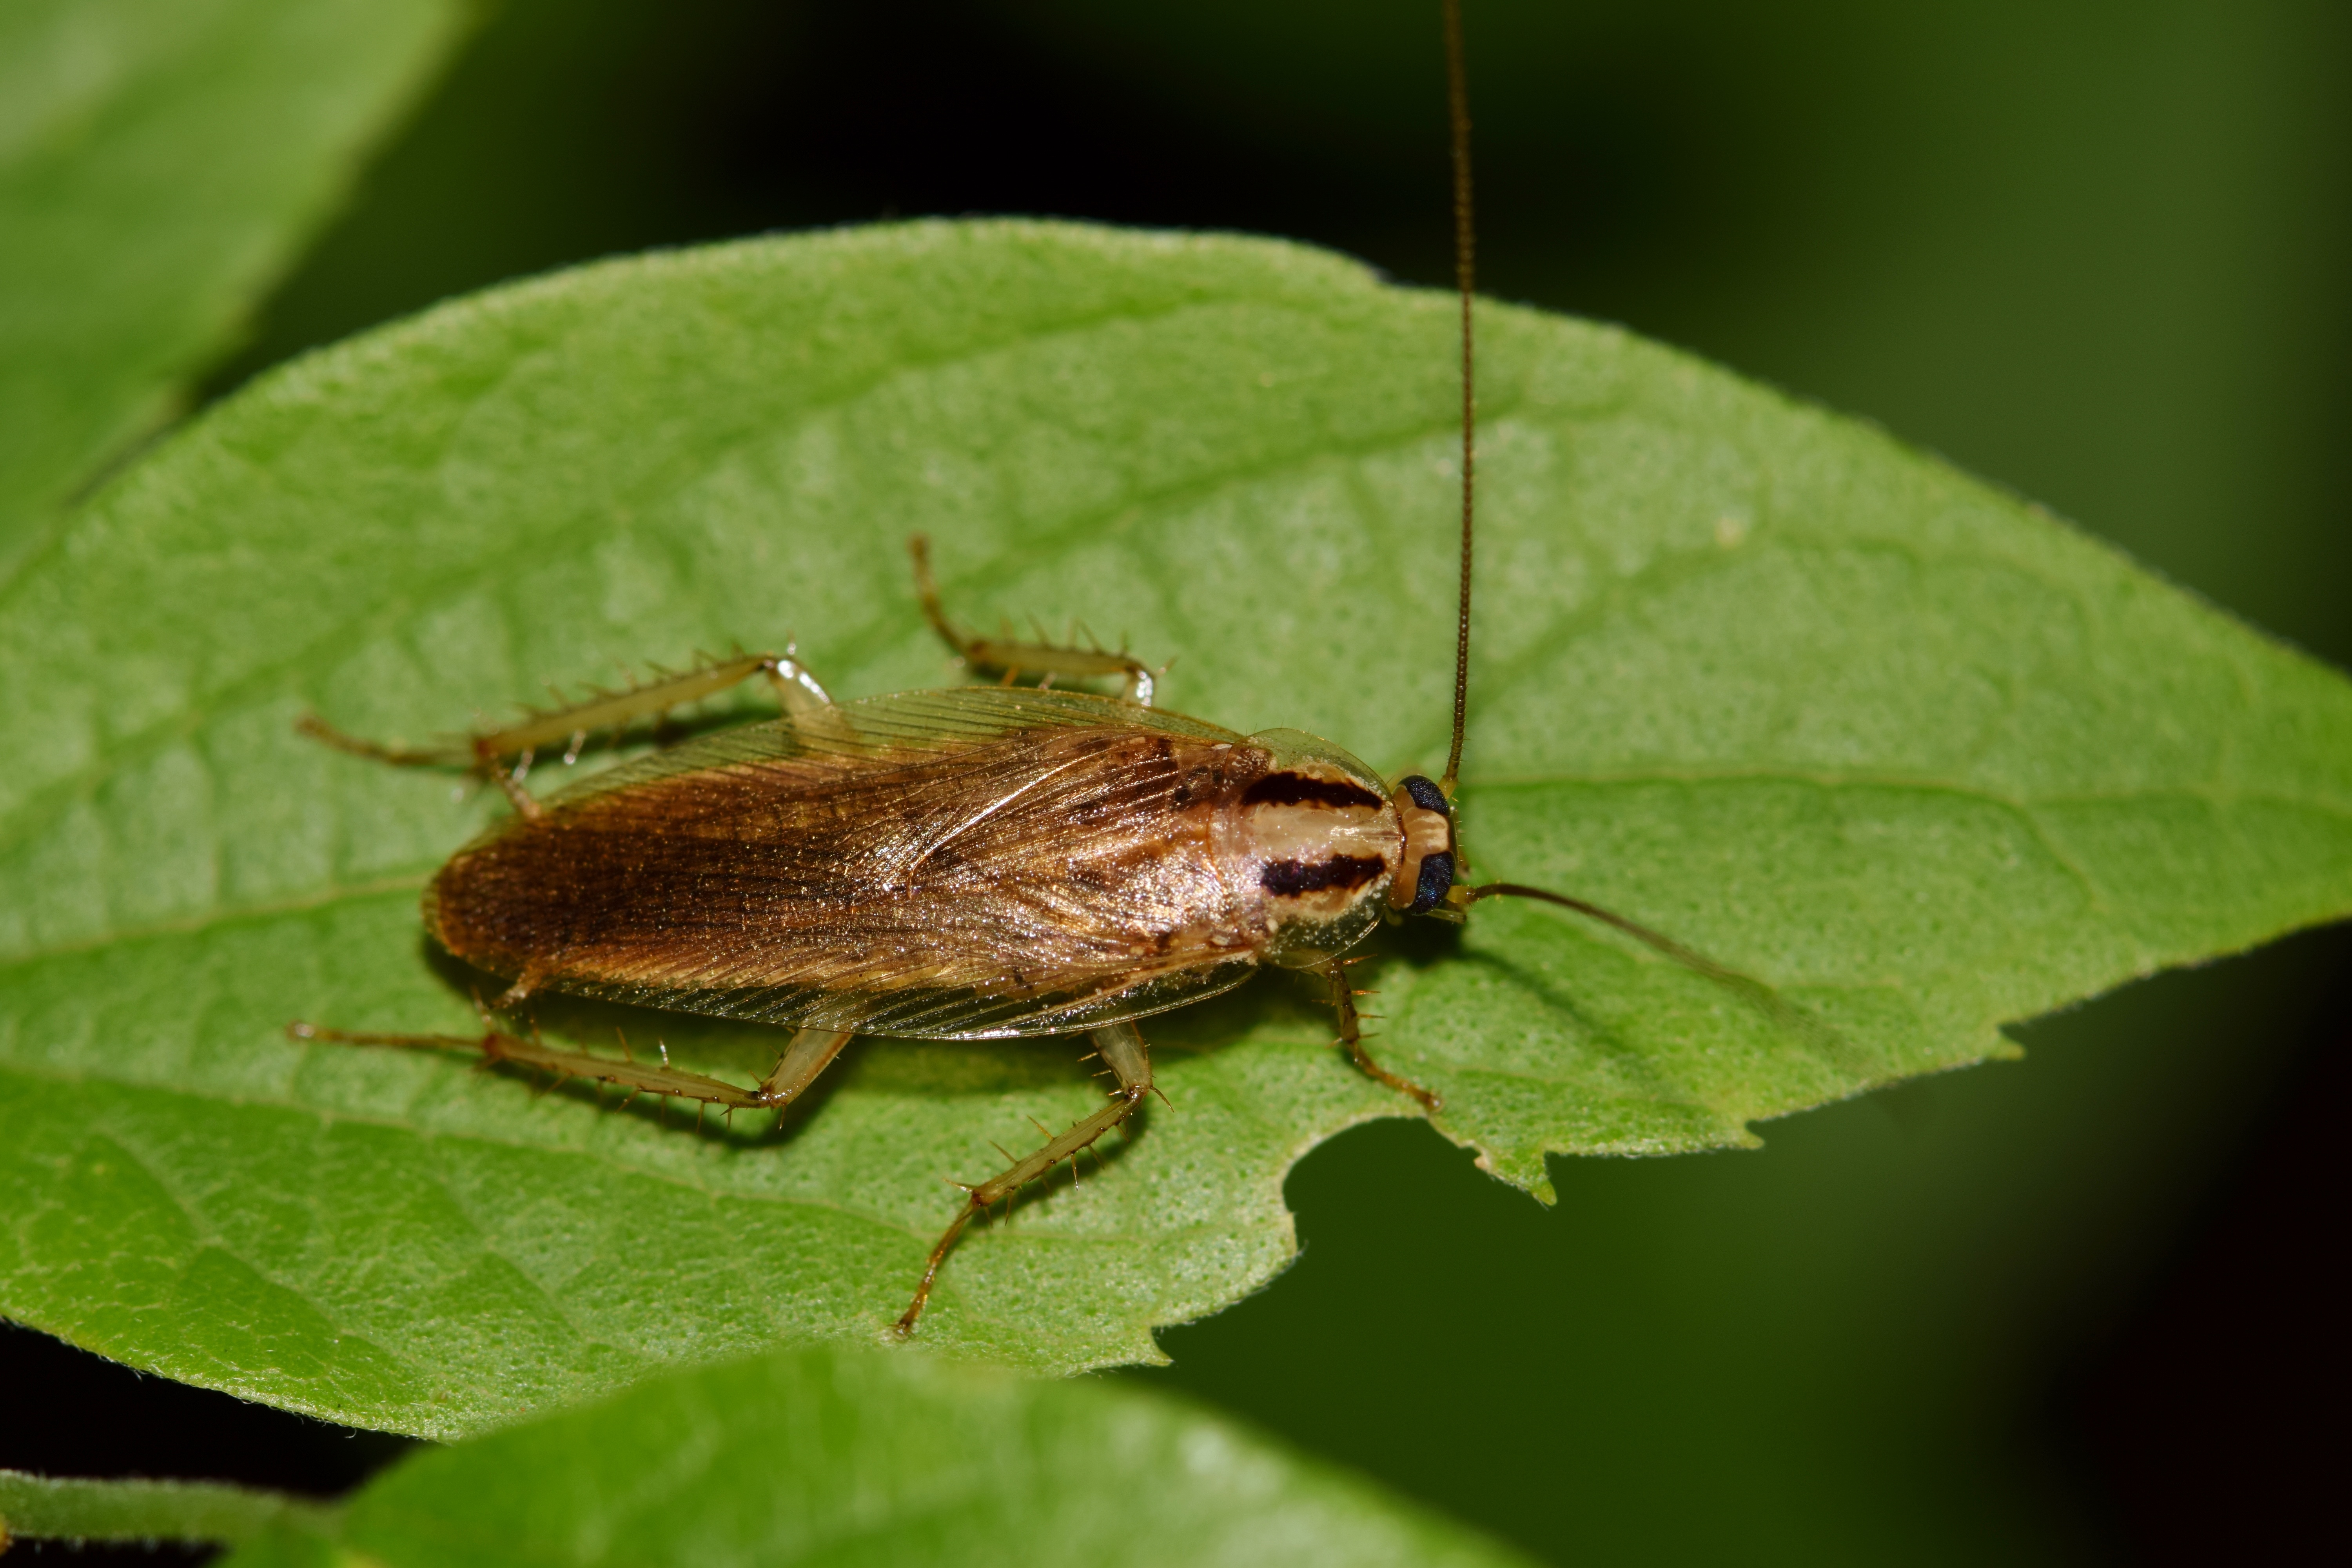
{"points": [[959, 864], [904, 727]]}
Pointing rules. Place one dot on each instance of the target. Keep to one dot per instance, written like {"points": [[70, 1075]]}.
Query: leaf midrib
{"points": [[127, 747], [2026, 809]]}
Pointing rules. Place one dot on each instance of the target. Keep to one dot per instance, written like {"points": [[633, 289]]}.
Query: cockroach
{"points": [[969, 864]]}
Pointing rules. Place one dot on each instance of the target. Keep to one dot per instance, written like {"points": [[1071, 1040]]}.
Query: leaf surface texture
{"points": [[1911, 752]]}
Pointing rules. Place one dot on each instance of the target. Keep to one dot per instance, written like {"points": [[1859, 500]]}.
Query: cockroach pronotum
{"points": [[979, 863]]}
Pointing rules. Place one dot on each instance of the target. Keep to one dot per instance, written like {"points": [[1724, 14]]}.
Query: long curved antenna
{"points": [[1770, 1002], [1688, 957], [1457, 104]]}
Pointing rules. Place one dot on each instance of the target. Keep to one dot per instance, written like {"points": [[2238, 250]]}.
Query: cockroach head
{"points": [[1426, 877]]}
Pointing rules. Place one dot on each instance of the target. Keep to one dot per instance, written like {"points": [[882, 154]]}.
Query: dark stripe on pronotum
{"points": [[1340, 871], [1297, 789]]}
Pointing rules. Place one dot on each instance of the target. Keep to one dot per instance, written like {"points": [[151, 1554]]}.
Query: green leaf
{"points": [[49, 1508], [158, 167], [816, 1456], [803, 1456], [1895, 744]]}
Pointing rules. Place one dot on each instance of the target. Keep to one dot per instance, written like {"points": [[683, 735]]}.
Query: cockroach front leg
{"points": [[1351, 1035], [605, 713], [1124, 1051], [809, 1054], [1014, 659]]}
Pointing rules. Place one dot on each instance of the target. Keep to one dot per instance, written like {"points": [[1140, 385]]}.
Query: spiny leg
{"points": [[571, 724], [810, 1052], [1124, 1051], [1014, 659], [1351, 1035]]}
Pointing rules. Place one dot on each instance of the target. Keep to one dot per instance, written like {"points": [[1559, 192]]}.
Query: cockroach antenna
{"points": [[1465, 256], [1456, 900]]}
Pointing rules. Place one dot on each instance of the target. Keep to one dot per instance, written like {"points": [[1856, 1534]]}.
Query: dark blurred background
{"points": [[2072, 1309]]}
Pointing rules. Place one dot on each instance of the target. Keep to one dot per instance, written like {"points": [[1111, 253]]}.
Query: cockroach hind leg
{"points": [[1124, 1048], [495, 1047]]}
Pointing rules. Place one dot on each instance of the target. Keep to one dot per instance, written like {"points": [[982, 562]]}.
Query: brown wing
{"points": [[947, 864]]}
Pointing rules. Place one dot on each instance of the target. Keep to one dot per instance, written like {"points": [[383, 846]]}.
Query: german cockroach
{"points": [[979, 863]]}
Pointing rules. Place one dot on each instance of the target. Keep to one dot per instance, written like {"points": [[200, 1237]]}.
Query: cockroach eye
{"points": [[1426, 795]]}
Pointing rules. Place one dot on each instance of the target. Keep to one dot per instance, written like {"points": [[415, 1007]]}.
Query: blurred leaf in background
{"points": [[833, 1457], [809, 1457], [160, 167]]}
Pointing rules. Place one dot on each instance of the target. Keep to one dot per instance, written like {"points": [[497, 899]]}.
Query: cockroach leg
{"points": [[525, 986], [568, 726], [446, 756], [811, 1052], [510, 781], [1003, 656], [808, 1055], [607, 713], [1351, 1035], [794, 687], [1123, 1046]]}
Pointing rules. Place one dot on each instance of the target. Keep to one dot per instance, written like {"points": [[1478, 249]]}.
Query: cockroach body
{"points": [[955, 865], [980, 863], [970, 864]]}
